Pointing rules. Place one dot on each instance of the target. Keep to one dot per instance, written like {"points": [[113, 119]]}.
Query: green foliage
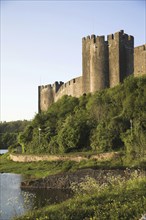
{"points": [[7, 139], [101, 121], [36, 169], [74, 133], [135, 141], [9, 132], [106, 136], [118, 199]]}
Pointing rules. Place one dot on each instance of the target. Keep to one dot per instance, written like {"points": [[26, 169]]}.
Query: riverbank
{"points": [[119, 199], [66, 179], [64, 163]]}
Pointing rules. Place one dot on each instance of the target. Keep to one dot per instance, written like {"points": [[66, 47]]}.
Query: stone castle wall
{"points": [[47, 95], [51, 93], [121, 56], [95, 63], [140, 60], [72, 87], [104, 64]]}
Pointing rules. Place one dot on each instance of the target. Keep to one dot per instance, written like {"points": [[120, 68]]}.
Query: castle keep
{"points": [[105, 63]]}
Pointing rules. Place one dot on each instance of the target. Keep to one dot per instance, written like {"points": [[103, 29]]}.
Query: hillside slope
{"points": [[109, 120]]}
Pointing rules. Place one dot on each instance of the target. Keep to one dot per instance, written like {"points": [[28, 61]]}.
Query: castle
{"points": [[105, 63]]}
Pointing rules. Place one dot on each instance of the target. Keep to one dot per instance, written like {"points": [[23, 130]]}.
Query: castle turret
{"points": [[46, 97], [104, 64], [98, 63], [86, 64], [94, 63], [128, 51], [121, 57]]}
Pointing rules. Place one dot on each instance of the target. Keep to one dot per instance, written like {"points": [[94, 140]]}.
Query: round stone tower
{"points": [[46, 97], [98, 63]]}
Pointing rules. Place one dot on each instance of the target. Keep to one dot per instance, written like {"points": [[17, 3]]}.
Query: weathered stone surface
{"points": [[30, 158], [140, 60]]}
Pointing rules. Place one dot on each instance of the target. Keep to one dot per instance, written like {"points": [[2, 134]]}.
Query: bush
{"points": [[100, 121]]}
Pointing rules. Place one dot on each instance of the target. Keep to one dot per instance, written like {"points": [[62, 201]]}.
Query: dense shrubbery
{"points": [[112, 119], [9, 132]]}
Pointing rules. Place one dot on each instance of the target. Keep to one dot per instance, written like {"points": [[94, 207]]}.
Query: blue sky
{"points": [[41, 43]]}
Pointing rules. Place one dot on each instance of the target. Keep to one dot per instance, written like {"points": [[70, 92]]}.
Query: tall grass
{"points": [[119, 198]]}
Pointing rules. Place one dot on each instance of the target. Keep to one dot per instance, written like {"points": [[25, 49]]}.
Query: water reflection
{"points": [[42, 197], [11, 199], [14, 201]]}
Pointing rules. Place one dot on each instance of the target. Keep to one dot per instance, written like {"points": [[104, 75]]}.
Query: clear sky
{"points": [[41, 43]]}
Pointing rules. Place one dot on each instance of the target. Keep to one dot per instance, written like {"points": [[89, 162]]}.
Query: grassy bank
{"points": [[45, 168], [35, 169], [120, 199]]}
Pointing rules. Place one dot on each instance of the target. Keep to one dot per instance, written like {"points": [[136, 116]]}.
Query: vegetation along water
{"points": [[112, 120]]}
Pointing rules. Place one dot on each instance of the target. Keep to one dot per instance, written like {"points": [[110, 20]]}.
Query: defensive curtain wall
{"points": [[105, 63], [140, 60], [51, 93]]}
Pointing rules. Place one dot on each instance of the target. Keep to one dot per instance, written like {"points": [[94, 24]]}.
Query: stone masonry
{"points": [[105, 63]]}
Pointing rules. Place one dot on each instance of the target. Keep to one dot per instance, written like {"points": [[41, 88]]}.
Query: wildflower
{"points": [[143, 217]]}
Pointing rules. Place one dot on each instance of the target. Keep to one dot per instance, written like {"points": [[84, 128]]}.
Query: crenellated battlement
{"points": [[49, 86], [69, 83], [130, 37], [57, 83], [105, 63], [86, 38], [52, 86], [110, 37], [116, 36], [93, 39], [120, 36], [140, 48]]}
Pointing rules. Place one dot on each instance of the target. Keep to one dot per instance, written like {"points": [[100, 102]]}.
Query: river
{"points": [[14, 201], [3, 151]]}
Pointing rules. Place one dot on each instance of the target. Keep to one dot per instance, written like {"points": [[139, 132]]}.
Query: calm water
{"points": [[3, 151], [14, 201]]}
